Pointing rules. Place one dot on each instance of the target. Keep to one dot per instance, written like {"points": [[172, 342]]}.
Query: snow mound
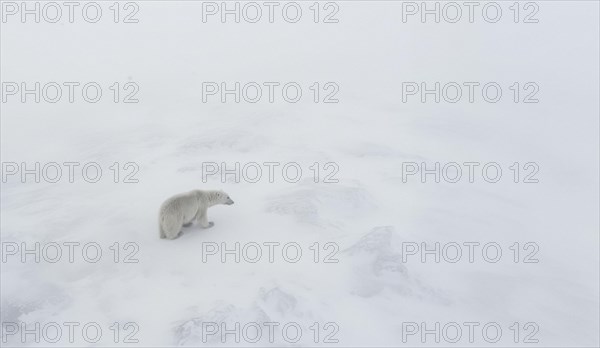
{"points": [[273, 308], [312, 204]]}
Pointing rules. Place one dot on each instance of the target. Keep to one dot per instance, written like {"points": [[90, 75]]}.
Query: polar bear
{"points": [[185, 208]]}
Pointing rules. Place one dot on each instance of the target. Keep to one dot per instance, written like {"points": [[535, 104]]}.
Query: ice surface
{"points": [[367, 291]]}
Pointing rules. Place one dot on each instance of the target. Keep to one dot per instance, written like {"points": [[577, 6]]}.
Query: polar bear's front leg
{"points": [[202, 218], [205, 223]]}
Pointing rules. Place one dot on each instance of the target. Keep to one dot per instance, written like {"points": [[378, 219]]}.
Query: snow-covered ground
{"points": [[360, 210]]}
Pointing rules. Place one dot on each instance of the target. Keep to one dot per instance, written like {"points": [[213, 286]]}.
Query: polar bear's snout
{"points": [[229, 201]]}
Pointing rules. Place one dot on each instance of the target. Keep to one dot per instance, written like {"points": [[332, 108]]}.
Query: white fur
{"points": [[185, 208]]}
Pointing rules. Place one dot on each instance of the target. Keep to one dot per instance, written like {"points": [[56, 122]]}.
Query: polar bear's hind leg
{"points": [[171, 226]]}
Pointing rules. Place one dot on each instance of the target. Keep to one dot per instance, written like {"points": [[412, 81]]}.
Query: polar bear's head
{"points": [[223, 198]]}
